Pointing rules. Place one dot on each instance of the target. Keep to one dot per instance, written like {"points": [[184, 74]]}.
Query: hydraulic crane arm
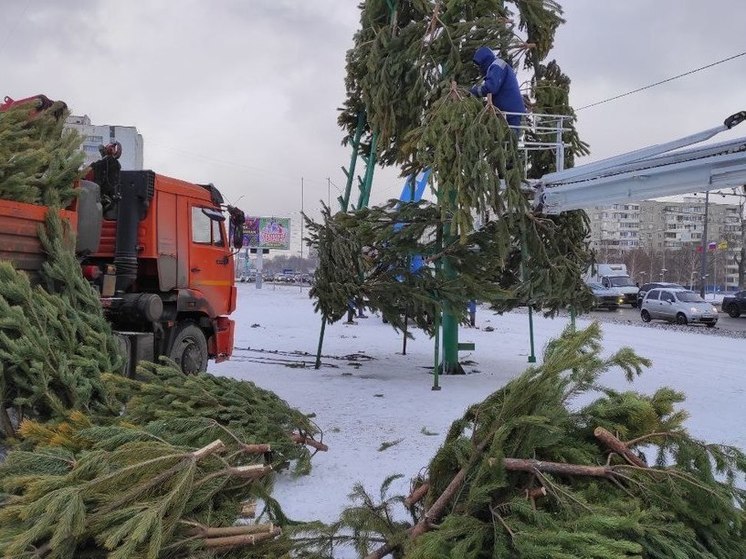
{"points": [[646, 173]]}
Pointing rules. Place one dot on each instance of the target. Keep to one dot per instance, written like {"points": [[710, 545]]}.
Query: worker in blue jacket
{"points": [[501, 82]]}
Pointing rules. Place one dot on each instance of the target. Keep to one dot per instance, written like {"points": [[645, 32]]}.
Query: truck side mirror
{"points": [[237, 220]]}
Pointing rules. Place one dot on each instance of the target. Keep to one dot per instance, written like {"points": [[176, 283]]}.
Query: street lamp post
{"points": [[703, 263]]}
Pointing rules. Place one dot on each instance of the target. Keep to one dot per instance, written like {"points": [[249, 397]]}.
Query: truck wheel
{"points": [[189, 350], [645, 315], [681, 318], [733, 311]]}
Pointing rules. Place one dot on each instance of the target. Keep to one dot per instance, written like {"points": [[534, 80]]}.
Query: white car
{"points": [[677, 305]]}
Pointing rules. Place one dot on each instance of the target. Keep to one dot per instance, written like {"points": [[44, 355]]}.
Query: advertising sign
{"points": [[267, 232]]}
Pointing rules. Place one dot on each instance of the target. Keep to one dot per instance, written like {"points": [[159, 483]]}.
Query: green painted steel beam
{"points": [[370, 167], [345, 202]]}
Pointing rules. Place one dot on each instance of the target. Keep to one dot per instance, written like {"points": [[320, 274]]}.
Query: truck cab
{"points": [[164, 268], [155, 248]]}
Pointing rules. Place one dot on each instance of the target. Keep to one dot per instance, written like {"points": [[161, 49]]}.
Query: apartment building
{"points": [[662, 226], [94, 135]]}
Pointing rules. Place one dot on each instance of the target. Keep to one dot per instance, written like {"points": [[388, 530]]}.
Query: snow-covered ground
{"points": [[367, 393]]}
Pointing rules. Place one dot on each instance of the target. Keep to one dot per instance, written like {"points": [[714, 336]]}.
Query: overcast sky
{"points": [[244, 94]]}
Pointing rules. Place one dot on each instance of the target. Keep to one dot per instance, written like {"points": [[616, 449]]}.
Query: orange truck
{"points": [[158, 251]]}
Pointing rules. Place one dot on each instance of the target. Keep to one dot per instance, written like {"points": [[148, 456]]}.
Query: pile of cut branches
{"points": [[121, 491], [39, 159], [99, 465], [106, 466], [526, 474]]}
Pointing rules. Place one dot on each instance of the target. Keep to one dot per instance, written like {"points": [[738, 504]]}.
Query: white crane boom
{"points": [[650, 172]]}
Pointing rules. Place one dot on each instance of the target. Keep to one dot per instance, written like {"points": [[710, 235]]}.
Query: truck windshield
{"points": [[621, 281]]}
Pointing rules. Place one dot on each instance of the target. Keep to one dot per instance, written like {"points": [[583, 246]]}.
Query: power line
{"points": [[662, 81], [261, 170]]}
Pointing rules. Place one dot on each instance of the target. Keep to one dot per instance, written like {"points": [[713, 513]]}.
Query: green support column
{"points": [[436, 351], [365, 185], [321, 343], [450, 343], [370, 166], [532, 357], [451, 365], [344, 202], [524, 259]]}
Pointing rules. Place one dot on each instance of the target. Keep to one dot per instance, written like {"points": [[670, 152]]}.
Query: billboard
{"points": [[267, 232]]}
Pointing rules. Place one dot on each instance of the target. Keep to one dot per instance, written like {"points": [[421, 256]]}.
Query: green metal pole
{"points": [[450, 322], [321, 342], [524, 260], [450, 335], [344, 202], [436, 352], [370, 167], [532, 357]]}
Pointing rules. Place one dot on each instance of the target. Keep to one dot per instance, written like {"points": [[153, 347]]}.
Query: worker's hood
{"points": [[483, 57]]}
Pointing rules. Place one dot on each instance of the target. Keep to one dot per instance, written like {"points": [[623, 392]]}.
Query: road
{"points": [[725, 323]]}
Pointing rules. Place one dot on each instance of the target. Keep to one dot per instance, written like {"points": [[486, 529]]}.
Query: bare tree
{"points": [[683, 265], [637, 260]]}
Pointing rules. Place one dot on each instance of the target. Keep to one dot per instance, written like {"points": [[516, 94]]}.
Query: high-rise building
{"points": [[98, 135]]}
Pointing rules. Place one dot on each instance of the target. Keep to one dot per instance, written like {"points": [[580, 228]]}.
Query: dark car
{"points": [[605, 297], [735, 304], [652, 285]]}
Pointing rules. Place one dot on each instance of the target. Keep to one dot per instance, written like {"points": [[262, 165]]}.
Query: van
{"points": [[615, 276]]}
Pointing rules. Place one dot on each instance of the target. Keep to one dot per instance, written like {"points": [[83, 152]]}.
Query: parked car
{"points": [[652, 285], [605, 297], [677, 305], [735, 304]]}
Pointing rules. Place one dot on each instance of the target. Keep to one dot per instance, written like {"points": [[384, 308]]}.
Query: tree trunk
{"points": [[229, 542], [300, 439], [435, 512], [417, 495], [228, 531], [614, 444], [557, 468]]}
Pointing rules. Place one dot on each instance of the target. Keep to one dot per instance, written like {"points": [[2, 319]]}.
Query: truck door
{"points": [[210, 260]]}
